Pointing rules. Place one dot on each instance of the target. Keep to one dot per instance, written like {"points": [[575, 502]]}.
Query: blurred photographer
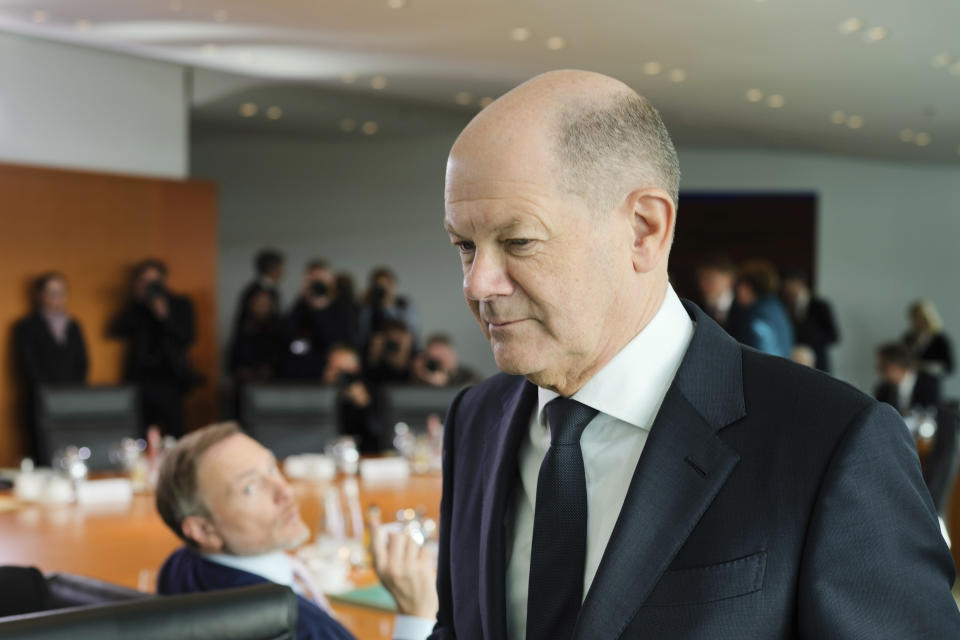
{"points": [[358, 404], [390, 352], [439, 366], [159, 329], [319, 319], [382, 304]]}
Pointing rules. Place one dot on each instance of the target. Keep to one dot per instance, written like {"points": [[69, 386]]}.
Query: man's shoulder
{"points": [[188, 571], [489, 390]]}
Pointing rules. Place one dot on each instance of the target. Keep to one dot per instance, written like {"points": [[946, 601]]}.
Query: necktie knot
{"points": [[567, 419]]}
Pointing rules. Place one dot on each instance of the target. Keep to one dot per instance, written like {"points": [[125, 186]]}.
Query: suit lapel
{"points": [[683, 467], [500, 458]]}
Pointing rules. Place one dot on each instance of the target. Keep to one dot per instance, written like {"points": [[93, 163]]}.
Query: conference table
{"points": [[125, 544]]}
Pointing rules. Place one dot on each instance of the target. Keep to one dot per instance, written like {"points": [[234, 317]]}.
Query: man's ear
{"points": [[201, 531], [653, 216]]}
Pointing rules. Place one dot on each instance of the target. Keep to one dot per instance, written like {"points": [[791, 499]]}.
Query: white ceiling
{"points": [[430, 50]]}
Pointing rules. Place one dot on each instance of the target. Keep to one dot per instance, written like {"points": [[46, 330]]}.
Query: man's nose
{"points": [[486, 277]]}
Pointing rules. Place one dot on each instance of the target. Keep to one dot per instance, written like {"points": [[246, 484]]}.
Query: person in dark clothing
{"points": [[49, 348], [382, 303], [764, 324], [812, 317], [927, 341], [269, 265], [319, 319], [902, 385], [359, 404], [159, 329], [716, 280], [255, 348], [438, 365], [390, 353]]}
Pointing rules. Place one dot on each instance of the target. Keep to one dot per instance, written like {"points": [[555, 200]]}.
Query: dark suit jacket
{"points": [[937, 351], [770, 501], [187, 571], [157, 349], [926, 393], [817, 330], [44, 361]]}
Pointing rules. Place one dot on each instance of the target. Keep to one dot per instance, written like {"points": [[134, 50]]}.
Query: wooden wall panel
{"points": [[93, 227]]}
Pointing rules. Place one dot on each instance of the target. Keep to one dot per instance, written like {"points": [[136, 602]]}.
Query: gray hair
{"points": [[178, 495], [604, 148]]}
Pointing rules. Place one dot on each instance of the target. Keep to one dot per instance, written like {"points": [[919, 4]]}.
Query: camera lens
{"points": [[319, 288], [432, 365]]}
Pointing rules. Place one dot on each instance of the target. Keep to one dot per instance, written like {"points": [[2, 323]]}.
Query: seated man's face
{"points": [[891, 372], [339, 362], [252, 508], [443, 355]]}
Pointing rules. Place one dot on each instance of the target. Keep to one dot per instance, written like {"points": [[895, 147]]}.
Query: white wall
{"points": [[75, 107], [887, 233]]}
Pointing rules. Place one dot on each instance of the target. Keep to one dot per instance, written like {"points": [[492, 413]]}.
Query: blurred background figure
{"points": [[159, 328], [268, 265], [390, 352], [765, 324], [319, 319], [347, 292], [438, 365], [381, 304], [927, 341], [48, 346], [257, 341], [803, 354], [812, 316], [902, 384], [359, 405], [716, 277]]}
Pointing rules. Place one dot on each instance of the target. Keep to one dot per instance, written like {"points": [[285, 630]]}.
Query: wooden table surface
{"points": [[127, 544]]}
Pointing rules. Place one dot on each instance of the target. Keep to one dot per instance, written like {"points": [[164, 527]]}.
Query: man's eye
{"points": [[465, 246], [519, 242], [248, 489]]}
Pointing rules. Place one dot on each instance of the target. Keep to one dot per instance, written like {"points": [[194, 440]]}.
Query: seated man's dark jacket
{"points": [[770, 502], [187, 571], [925, 395]]}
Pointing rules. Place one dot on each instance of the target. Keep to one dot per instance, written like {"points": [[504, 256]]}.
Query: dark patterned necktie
{"points": [[559, 549]]}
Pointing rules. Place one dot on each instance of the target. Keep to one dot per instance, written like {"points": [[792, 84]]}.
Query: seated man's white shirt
{"points": [[276, 567], [627, 392]]}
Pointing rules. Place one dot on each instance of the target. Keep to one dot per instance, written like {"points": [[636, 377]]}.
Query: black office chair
{"points": [[943, 461], [94, 417], [290, 419], [413, 405], [261, 612], [26, 590]]}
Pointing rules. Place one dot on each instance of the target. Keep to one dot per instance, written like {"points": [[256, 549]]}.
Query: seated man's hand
{"points": [[406, 569]]}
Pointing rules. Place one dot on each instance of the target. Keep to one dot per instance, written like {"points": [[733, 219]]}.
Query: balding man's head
{"points": [[596, 137]]}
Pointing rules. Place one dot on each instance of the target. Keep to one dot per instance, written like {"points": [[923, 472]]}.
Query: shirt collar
{"points": [[631, 387], [274, 566]]}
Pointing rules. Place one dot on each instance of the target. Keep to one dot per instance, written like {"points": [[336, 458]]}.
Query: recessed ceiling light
{"points": [[922, 139], [907, 135], [754, 95], [850, 25], [209, 49], [652, 68], [876, 34], [520, 34], [220, 15], [274, 113], [838, 117], [82, 25], [776, 101], [555, 43], [396, 4], [348, 124], [369, 128], [942, 59], [349, 77], [463, 98], [677, 75], [855, 122], [248, 109], [955, 68], [378, 82], [485, 102], [39, 16]]}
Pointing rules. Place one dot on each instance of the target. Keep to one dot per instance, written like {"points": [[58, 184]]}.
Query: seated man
{"points": [[223, 494], [439, 366], [903, 384]]}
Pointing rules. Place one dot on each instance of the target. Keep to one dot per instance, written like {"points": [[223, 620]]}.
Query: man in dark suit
{"points": [[634, 472], [903, 385], [269, 267], [812, 316]]}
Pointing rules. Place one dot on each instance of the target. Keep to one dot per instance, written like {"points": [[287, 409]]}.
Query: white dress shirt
{"points": [[627, 392], [276, 567]]}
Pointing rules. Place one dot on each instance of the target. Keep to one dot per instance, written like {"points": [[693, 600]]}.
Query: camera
{"points": [[433, 366], [346, 379], [379, 295], [391, 346], [155, 290], [319, 288]]}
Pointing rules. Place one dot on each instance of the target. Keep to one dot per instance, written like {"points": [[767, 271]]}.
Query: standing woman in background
{"points": [[927, 341], [49, 345]]}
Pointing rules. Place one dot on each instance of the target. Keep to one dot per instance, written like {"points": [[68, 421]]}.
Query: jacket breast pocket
{"points": [[711, 583]]}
